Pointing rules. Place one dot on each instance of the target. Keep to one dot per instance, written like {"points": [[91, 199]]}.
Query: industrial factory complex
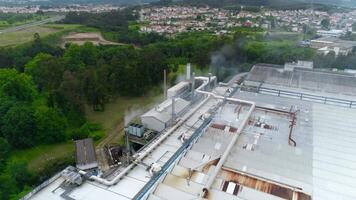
{"points": [[277, 132]]}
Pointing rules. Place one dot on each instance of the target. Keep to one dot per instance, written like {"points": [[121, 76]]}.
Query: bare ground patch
{"points": [[80, 38]]}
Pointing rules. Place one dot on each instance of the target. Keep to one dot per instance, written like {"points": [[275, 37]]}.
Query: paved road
{"points": [[25, 26]]}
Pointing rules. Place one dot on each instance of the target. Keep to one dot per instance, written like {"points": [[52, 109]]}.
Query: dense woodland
{"points": [[44, 88]]}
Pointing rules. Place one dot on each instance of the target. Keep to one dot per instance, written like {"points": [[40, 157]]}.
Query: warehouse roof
{"points": [[312, 80]]}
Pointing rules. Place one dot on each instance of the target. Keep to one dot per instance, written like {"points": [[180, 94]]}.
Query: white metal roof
{"points": [[334, 154]]}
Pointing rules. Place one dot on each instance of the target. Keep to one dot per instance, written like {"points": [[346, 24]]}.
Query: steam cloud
{"points": [[224, 62], [131, 114]]}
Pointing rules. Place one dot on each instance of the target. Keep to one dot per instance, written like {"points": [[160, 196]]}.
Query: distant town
{"points": [[175, 19], [58, 9]]}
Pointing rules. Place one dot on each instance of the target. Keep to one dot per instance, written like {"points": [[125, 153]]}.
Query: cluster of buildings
{"points": [[278, 132], [59, 9], [325, 45], [294, 20], [176, 19]]}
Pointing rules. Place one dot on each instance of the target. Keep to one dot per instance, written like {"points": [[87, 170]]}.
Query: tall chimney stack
{"points": [[165, 83], [173, 110], [193, 84], [188, 71]]}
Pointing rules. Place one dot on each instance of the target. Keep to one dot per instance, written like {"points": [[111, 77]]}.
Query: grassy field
{"points": [[38, 157], [22, 36], [121, 108], [52, 32], [26, 35], [6, 24]]}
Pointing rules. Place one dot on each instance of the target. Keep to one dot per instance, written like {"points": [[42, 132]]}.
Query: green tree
{"points": [[4, 150], [5, 104], [78, 57], [51, 125], [19, 173], [7, 186], [94, 89], [16, 85], [153, 61], [325, 23], [47, 72], [19, 127], [70, 99]]}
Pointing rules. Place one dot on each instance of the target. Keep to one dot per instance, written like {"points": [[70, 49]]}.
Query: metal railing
{"points": [[308, 97]]}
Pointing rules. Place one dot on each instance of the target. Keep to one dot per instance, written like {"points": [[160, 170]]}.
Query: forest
{"points": [[44, 88]]}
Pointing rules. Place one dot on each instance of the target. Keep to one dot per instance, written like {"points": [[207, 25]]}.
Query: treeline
{"points": [[11, 18], [116, 22]]}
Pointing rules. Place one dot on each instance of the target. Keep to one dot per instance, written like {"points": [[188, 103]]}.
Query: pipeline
{"points": [[224, 156], [141, 156], [291, 141]]}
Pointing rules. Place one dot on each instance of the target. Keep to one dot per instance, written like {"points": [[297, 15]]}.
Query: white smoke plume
{"points": [[131, 114]]}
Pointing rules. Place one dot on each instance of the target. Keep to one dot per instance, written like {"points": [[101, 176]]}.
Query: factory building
{"points": [[286, 132], [161, 116], [325, 45]]}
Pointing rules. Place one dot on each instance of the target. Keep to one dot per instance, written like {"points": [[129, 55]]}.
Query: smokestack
{"points": [[188, 71], [193, 84], [128, 149], [173, 110], [165, 83]]}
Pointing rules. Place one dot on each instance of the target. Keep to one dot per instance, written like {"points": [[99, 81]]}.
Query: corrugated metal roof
{"points": [[85, 154]]}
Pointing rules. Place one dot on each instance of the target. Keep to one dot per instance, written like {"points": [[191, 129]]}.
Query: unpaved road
{"points": [[110, 138]]}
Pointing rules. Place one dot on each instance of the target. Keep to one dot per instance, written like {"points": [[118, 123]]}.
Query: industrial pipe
{"points": [[223, 158], [140, 156]]}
